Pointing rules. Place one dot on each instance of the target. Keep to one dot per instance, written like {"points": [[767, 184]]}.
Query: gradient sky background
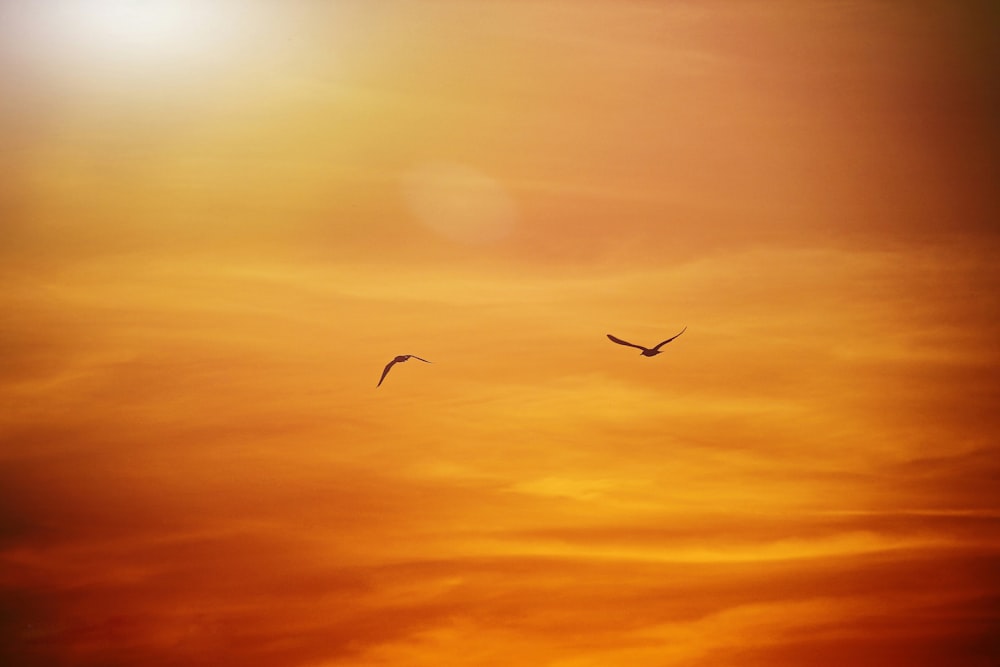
{"points": [[221, 219]]}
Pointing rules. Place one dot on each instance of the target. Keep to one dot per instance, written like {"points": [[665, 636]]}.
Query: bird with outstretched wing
{"points": [[646, 351]]}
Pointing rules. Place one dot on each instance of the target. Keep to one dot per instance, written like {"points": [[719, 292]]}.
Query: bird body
{"points": [[397, 360], [646, 351]]}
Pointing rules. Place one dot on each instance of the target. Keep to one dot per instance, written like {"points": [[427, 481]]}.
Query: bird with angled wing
{"points": [[398, 360]]}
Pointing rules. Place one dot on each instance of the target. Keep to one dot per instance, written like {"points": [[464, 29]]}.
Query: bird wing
{"points": [[669, 339], [416, 357], [385, 372], [624, 342]]}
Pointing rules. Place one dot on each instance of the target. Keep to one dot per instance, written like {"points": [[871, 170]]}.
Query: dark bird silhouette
{"points": [[398, 360], [646, 351]]}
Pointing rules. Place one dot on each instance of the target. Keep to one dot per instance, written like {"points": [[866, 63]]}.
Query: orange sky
{"points": [[221, 219]]}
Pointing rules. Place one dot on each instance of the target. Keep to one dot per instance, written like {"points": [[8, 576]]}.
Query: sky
{"points": [[220, 220]]}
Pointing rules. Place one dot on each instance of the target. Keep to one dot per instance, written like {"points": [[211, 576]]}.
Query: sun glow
{"points": [[133, 31], [138, 23]]}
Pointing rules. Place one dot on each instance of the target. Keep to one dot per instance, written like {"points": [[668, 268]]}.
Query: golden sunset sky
{"points": [[220, 219]]}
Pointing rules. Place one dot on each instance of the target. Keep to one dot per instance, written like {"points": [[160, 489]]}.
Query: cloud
{"points": [[202, 287]]}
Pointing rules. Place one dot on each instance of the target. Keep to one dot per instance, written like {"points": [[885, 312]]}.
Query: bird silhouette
{"points": [[646, 351], [398, 360]]}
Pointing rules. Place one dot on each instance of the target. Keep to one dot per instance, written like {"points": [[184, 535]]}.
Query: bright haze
{"points": [[219, 221]]}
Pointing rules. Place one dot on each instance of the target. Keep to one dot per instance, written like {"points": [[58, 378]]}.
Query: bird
{"points": [[398, 360], [646, 351]]}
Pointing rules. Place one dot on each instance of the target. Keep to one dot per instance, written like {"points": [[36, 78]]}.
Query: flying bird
{"points": [[646, 351], [398, 360]]}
